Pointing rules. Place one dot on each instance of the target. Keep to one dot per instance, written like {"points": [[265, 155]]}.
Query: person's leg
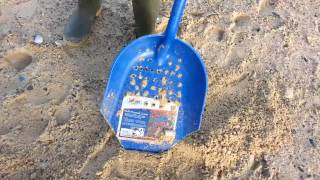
{"points": [[80, 22], [145, 12]]}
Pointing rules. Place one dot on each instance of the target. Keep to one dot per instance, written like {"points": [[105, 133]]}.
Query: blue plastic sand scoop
{"points": [[156, 91]]}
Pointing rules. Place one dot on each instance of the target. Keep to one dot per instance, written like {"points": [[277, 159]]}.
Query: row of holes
{"points": [[159, 71], [146, 103]]}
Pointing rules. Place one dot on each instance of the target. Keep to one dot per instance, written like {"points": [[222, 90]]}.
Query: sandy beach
{"points": [[262, 117]]}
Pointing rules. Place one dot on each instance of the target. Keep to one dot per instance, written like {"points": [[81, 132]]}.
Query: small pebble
{"points": [[38, 39], [59, 43], [159, 20], [33, 175], [312, 143], [30, 87]]}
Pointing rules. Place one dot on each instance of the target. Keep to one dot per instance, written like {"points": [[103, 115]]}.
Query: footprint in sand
{"points": [[62, 114], [215, 33], [219, 34], [19, 59], [241, 22], [53, 92], [266, 7], [3, 64], [19, 127], [255, 165]]}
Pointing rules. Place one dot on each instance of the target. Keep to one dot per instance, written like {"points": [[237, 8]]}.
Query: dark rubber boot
{"points": [[145, 13], [80, 22]]}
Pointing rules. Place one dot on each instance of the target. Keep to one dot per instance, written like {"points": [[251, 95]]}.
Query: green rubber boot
{"points": [[145, 13], [78, 28]]}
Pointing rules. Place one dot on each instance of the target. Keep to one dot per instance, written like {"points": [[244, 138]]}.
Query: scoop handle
{"points": [[171, 31], [175, 18]]}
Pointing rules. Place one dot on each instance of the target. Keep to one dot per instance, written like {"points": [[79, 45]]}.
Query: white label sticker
{"points": [[147, 120]]}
